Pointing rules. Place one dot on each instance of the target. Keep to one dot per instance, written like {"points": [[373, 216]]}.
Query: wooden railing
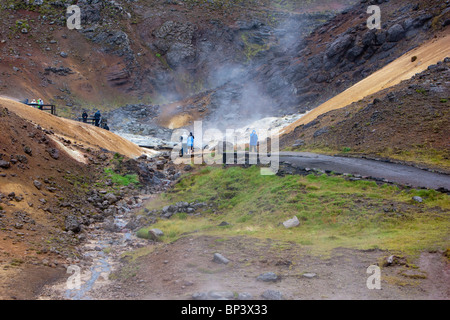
{"points": [[44, 107]]}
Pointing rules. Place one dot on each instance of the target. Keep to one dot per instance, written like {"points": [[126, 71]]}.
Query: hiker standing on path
{"points": [[97, 117], [190, 143], [183, 140], [40, 103], [253, 141], [84, 116]]}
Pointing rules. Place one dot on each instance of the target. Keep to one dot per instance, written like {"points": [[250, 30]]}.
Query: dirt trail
{"points": [[400, 69], [85, 134]]}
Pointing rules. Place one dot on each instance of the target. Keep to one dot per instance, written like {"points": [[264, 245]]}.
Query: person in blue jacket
{"points": [[253, 141], [190, 143]]}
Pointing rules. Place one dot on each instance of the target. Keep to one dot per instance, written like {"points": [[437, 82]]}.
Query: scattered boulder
{"points": [[54, 153], [298, 143], [272, 295], [394, 260], [339, 46], [200, 296], [37, 184], [309, 275], [268, 277], [390, 260], [221, 295], [28, 150], [111, 198], [109, 225], [291, 223], [4, 164], [155, 234], [72, 224], [244, 296], [417, 199], [218, 258]]}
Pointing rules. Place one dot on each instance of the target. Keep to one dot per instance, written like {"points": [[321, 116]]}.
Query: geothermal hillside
{"points": [[140, 222]]}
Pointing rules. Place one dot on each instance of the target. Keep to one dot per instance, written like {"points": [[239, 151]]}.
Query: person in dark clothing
{"points": [[84, 116], [182, 146], [97, 117], [104, 123]]}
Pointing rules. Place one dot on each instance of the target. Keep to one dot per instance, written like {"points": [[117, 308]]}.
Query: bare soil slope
{"points": [[86, 134], [33, 183], [401, 69], [407, 122]]}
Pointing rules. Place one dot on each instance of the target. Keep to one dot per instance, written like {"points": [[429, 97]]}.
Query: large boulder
{"points": [[54, 153], [72, 224], [176, 40], [111, 198], [180, 53], [339, 46], [395, 33]]}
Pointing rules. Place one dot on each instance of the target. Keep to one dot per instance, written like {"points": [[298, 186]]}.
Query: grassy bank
{"points": [[333, 211]]}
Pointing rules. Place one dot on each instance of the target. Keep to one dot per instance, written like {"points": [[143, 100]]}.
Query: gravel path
{"points": [[397, 173]]}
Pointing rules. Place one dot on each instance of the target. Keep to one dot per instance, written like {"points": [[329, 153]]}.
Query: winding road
{"points": [[397, 173]]}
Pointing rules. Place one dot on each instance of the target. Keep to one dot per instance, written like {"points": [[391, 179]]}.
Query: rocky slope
{"points": [[298, 75], [129, 50], [223, 61], [407, 122], [52, 190]]}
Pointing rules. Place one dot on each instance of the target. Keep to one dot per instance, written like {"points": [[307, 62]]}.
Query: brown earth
{"points": [[100, 76], [401, 69], [79, 132], [178, 270], [46, 163], [31, 220], [407, 122]]}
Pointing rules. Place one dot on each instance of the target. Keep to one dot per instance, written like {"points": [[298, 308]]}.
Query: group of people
{"points": [[39, 103], [99, 121], [187, 143]]}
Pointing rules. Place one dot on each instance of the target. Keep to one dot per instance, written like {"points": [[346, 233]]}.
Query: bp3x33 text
{"points": [[246, 309]]}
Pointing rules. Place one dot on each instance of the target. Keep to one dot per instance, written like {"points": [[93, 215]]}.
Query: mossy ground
{"points": [[333, 211]]}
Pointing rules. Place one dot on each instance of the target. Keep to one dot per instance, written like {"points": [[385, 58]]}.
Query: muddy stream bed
{"points": [[100, 255]]}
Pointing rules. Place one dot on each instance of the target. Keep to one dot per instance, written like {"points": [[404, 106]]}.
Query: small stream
{"points": [[100, 254]]}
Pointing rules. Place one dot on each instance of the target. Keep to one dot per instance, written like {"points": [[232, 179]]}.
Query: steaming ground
{"points": [[265, 127]]}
